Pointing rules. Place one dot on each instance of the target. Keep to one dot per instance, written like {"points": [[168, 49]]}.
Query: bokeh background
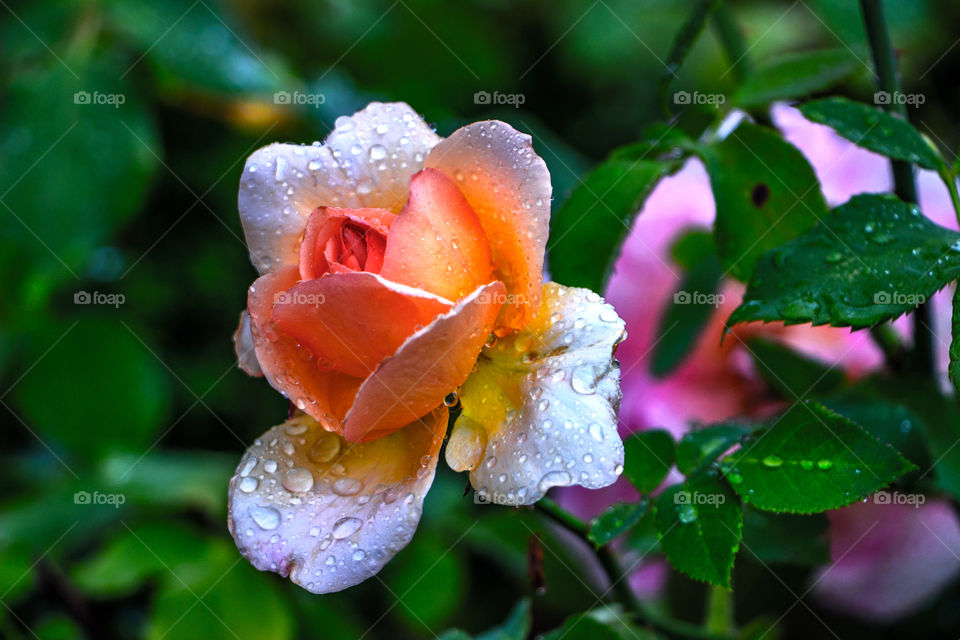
{"points": [[123, 270]]}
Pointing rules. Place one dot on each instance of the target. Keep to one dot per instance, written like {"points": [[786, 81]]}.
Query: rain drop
{"points": [[267, 518], [298, 479], [346, 527]]}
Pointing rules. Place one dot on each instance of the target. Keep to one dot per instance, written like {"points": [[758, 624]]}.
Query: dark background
{"points": [[142, 399]]}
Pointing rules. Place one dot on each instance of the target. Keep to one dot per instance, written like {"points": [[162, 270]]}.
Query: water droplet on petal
{"points": [[345, 527], [347, 486], [267, 518], [298, 479]]}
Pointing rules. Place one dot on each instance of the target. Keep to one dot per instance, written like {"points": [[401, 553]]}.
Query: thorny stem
{"points": [[617, 577], [904, 184]]}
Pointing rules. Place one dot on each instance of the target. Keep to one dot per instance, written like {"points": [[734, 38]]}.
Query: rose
{"points": [[397, 268]]}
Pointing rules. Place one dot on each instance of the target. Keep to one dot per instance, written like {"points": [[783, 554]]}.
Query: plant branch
{"points": [[904, 184], [619, 583]]}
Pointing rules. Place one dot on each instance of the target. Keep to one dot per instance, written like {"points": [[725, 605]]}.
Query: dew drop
{"points": [[298, 479], [248, 484], [825, 464], [267, 518], [346, 527], [772, 461], [686, 513], [347, 486], [326, 447]]}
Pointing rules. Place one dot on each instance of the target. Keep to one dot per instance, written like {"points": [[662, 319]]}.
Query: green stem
{"points": [[732, 40], [613, 568], [719, 617], [904, 184], [950, 179], [889, 342]]}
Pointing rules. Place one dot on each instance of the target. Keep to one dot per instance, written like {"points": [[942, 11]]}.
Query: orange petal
{"points": [[291, 369], [430, 364], [327, 512], [352, 321], [508, 186], [437, 242], [327, 223]]}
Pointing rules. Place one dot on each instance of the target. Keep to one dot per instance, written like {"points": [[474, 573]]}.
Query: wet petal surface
{"points": [[540, 411], [328, 513]]}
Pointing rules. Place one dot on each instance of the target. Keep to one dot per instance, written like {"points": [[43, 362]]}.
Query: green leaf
{"points": [[615, 520], [795, 75], [699, 448], [191, 44], [587, 231], [515, 627], [684, 319], [766, 193], [699, 523], [582, 627], [119, 400], [134, 555], [870, 260], [431, 578], [809, 460], [789, 373], [786, 538], [236, 600], [874, 129], [648, 456], [48, 234], [167, 478], [883, 415], [940, 417]]}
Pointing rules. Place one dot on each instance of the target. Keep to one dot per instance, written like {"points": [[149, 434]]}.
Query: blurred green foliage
{"points": [[123, 130]]}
